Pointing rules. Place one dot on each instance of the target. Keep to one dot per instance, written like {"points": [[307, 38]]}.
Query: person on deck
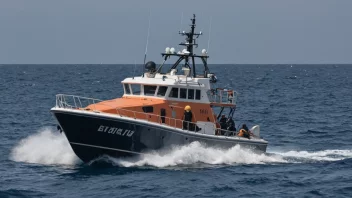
{"points": [[244, 126], [187, 118], [230, 127], [244, 132], [223, 125], [230, 97]]}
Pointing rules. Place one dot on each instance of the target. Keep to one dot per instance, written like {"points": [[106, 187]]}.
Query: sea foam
{"points": [[47, 147], [196, 152]]}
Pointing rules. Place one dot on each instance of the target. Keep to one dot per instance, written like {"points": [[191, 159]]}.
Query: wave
{"points": [[306, 156], [49, 147], [44, 147]]}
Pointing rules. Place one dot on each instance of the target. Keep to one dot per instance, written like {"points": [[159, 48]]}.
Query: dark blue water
{"points": [[304, 112]]}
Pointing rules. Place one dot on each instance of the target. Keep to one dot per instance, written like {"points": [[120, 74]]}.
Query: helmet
{"points": [[187, 108]]}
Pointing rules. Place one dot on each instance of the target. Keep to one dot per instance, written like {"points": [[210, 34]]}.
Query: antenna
{"points": [[134, 68], [181, 22], [209, 33], [181, 25], [146, 46]]}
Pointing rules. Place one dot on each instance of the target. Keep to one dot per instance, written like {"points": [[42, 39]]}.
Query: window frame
{"points": [[185, 95], [188, 94], [200, 94], [146, 109], [125, 86], [157, 92], [149, 94], [178, 92], [140, 89]]}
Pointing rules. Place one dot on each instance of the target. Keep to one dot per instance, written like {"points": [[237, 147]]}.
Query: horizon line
{"points": [[1, 64]]}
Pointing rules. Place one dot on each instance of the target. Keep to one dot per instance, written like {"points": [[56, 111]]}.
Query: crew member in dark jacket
{"points": [[187, 118], [230, 127], [223, 124]]}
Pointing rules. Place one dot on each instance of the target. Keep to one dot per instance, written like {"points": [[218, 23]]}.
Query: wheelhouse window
{"points": [[191, 94], [174, 93], [197, 94], [136, 89], [183, 93], [148, 109], [161, 91], [127, 89], [149, 90]]}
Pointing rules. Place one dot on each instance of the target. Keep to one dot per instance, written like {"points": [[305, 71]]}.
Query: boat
{"points": [[158, 110]]}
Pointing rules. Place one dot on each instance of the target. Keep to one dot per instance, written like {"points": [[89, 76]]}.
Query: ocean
{"points": [[304, 111]]}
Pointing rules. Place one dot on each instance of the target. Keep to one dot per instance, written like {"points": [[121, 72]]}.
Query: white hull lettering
{"points": [[116, 131], [130, 133], [101, 128]]}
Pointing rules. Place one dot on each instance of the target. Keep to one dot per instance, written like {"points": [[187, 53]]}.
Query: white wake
{"points": [[198, 153], [44, 147], [52, 148], [325, 155]]}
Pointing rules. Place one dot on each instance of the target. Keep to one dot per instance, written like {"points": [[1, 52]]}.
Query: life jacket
{"points": [[243, 133]]}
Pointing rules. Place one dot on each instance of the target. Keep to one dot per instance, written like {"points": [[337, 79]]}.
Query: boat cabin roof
{"points": [[168, 80]]}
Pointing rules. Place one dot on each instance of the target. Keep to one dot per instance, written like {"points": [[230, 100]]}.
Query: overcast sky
{"points": [[115, 31]]}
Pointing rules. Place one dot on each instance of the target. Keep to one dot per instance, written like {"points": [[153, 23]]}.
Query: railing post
{"points": [[79, 100], [65, 101], [95, 108], [74, 101], [220, 96], [61, 101]]}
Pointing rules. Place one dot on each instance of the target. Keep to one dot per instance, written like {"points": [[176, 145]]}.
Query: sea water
{"points": [[304, 111]]}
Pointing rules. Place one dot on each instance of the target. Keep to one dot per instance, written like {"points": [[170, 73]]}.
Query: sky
{"points": [[115, 31]]}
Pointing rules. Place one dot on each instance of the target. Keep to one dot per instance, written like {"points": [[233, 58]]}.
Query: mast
{"points": [[190, 42], [188, 53]]}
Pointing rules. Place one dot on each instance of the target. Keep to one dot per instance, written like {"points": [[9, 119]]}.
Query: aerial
{"points": [[178, 99]]}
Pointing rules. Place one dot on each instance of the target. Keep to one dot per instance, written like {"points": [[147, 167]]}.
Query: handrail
{"points": [[222, 96], [62, 102]]}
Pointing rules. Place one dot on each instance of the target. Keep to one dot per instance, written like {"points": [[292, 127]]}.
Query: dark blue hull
{"points": [[92, 135]]}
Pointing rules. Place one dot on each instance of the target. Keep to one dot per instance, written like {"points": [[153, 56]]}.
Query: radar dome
{"points": [[172, 50], [150, 66]]}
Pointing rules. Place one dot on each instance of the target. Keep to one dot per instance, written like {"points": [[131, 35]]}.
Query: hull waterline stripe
{"points": [[107, 148]]}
